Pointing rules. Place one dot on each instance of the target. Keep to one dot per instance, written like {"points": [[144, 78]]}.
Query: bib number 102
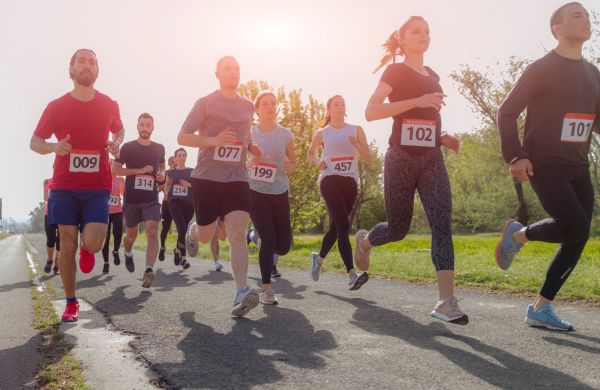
{"points": [[418, 132]]}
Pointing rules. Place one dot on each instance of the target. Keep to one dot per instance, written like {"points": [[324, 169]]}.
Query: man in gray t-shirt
{"points": [[219, 126]]}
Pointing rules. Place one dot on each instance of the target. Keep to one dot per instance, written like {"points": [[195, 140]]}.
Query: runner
{"points": [[220, 234], [414, 161], [561, 92], [338, 182], [115, 220], [254, 237], [270, 185], [81, 121], [178, 194], [220, 180], [52, 236], [144, 162], [164, 213]]}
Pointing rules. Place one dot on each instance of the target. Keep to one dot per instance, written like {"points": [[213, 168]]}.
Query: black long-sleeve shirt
{"points": [[562, 97]]}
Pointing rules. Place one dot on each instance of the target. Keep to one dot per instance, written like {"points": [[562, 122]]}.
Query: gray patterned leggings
{"points": [[404, 174]]}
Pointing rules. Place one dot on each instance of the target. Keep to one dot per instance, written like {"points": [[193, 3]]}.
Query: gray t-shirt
{"points": [[211, 115], [269, 176]]}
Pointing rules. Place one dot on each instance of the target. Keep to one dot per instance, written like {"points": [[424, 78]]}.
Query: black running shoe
{"points": [[55, 269], [129, 263], [176, 257], [161, 254], [185, 264], [275, 273], [48, 266], [116, 257], [105, 268]]}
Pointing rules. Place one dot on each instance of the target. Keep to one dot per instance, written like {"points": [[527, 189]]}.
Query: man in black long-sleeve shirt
{"points": [[561, 92]]}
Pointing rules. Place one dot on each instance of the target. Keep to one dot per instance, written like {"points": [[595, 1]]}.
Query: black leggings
{"points": [[271, 218], [405, 173], [567, 195], [116, 222], [166, 223], [182, 213], [52, 234], [339, 193]]}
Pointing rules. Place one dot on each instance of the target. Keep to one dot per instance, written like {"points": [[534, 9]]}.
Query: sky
{"points": [[159, 57]]}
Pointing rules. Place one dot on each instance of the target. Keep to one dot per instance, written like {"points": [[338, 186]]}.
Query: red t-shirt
{"points": [[88, 123], [115, 204]]}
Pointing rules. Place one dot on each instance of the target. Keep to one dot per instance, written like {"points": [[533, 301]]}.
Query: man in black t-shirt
{"points": [[561, 92], [144, 162]]}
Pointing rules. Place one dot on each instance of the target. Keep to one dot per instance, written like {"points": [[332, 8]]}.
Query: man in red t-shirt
{"points": [[81, 121]]}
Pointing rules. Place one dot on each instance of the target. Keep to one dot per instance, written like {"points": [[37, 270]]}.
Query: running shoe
{"points": [[116, 257], [48, 266], [245, 300], [218, 265], [129, 263], [315, 269], [545, 317], [448, 310], [361, 256], [268, 297], [176, 257], [357, 280], [148, 278], [191, 246], [275, 272], [161, 254], [86, 260], [184, 263], [105, 268], [55, 269], [71, 313], [507, 248]]}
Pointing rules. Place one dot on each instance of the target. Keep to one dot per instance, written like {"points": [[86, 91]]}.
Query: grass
{"points": [[4, 235], [475, 266], [59, 369]]}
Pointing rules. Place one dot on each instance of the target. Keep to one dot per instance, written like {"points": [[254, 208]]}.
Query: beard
{"points": [[85, 78], [144, 134]]}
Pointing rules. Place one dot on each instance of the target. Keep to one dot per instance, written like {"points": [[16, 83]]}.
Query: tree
{"points": [[370, 189], [36, 217]]}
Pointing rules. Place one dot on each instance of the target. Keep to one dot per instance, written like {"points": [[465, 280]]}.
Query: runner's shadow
{"points": [[284, 288], [118, 304], [215, 277], [576, 345], [14, 286], [511, 372], [167, 282], [95, 281], [249, 354], [20, 363]]}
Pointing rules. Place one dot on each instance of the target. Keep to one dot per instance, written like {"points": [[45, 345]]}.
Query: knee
{"points": [[93, 244], [237, 234], [577, 234]]}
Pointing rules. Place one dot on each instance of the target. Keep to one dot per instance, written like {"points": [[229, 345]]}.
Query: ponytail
{"points": [[391, 47]]}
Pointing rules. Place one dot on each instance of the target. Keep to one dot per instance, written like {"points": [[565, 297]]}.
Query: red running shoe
{"points": [[71, 313], [86, 260]]}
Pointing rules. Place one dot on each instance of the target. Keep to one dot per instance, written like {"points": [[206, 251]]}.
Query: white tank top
{"points": [[339, 155]]}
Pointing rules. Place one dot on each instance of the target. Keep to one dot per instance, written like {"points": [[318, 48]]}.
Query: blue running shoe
{"points": [[546, 318], [507, 248]]}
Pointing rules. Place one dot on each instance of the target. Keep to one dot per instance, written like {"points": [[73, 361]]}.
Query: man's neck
{"points": [[570, 49], [229, 93], [144, 141], [83, 93]]}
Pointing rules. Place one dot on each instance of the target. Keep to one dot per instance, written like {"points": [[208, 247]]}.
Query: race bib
{"points": [[144, 183], [577, 127], [87, 161], [114, 201], [418, 132], [263, 171], [229, 153], [179, 190], [343, 165]]}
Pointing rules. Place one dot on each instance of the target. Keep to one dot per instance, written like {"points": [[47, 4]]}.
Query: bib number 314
{"points": [[577, 127], [144, 183], [418, 132]]}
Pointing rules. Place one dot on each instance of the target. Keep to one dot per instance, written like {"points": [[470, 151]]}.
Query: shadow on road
{"points": [[215, 277], [509, 372], [574, 344], [284, 288], [13, 286], [19, 364], [167, 282], [94, 281], [248, 355], [118, 304]]}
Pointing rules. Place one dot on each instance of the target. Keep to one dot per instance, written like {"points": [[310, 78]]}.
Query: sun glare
{"points": [[274, 32]]}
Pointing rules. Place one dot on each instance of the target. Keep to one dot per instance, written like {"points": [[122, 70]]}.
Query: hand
{"points": [[290, 166], [148, 169], [225, 137], [521, 169], [185, 183], [113, 148], [160, 177], [322, 166], [63, 147], [451, 142], [431, 100], [256, 151], [353, 141]]}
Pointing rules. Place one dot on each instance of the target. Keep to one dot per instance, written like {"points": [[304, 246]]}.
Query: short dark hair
{"points": [[145, 115], [558, 14], [180, 150], [74, 57]]}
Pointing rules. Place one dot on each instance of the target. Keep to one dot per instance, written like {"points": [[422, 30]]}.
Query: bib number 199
{"points": [[263, 171]]}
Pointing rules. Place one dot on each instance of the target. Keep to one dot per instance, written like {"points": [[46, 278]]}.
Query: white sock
{"points": [[128, 254]]}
